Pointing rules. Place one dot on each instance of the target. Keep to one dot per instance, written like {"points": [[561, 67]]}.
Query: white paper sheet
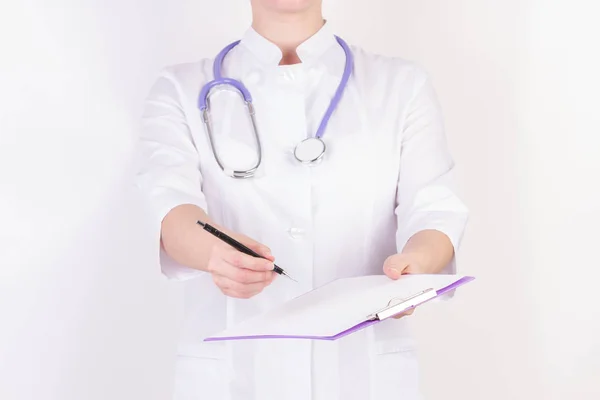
{"points": [[335, 307]]}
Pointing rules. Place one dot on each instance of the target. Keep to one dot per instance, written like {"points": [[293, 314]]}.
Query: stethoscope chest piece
{"points": [[310, 151]]}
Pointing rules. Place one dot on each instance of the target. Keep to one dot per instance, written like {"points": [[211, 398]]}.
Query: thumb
{"points": [[394, 266]]}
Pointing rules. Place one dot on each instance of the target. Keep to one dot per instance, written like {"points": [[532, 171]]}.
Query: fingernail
{"points": [[394, 272]]}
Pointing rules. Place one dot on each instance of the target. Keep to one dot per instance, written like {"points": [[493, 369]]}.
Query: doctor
{"points": [[369, 194]]}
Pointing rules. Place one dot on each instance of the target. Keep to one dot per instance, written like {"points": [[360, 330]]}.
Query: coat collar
{"points": [[310, 51]]}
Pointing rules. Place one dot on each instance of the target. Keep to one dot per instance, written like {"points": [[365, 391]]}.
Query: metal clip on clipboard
{"points": [[399, 304]]}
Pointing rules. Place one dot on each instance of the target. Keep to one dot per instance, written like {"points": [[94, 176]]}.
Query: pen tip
{"points": [[286, 274]]}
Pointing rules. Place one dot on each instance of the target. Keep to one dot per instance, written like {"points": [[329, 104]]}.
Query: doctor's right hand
{"points": [[240, 275]]}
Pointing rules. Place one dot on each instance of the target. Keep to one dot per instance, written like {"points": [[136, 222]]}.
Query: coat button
{"points": [[296, 233]]}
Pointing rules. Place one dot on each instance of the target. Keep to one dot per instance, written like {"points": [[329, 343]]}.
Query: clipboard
{"points": [[343, 307], [401, 304]]}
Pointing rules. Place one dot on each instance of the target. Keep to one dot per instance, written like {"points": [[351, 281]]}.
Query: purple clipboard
{"points": [[399, 308]]}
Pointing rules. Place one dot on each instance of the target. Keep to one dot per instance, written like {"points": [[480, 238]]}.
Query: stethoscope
{"points": [[310, 151]]}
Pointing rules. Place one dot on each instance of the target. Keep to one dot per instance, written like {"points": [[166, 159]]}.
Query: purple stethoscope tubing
{"points": [[337, 97], [219, 80]]}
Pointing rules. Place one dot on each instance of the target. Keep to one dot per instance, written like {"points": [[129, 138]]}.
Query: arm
{"points": [[169, 178], [187, 244], [183, 241], [431, 218]]}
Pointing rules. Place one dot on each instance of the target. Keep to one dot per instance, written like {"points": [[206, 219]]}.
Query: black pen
{"points": [[238, 246]]}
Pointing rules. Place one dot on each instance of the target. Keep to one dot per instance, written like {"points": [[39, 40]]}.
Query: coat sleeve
{"points": [[169, 171], [425, 198]]}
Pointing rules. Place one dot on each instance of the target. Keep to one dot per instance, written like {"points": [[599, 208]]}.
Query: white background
{"points": [[84, 314]]}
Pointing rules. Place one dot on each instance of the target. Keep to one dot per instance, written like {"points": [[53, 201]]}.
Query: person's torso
{"points": [[329, 221]]}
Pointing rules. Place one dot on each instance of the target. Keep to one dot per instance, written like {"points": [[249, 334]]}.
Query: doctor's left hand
{"points": [[402, 264], [427, 252]]}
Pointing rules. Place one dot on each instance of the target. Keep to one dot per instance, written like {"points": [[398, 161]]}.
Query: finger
{"points": [[405, 313], [260, 248], [393, 271], [394, 266], [243, 275], [241, 260], [238, 290]]}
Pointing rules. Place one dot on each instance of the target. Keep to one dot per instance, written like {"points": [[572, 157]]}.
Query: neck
{"points": [[287, 31]]}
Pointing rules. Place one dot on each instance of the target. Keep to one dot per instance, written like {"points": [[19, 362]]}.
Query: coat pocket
{"points": [[395, 371], [394, 345], [395, 367], [392, 336]]}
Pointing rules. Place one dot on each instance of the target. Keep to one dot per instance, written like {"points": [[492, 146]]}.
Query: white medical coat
{"points": [[384, 177]]}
